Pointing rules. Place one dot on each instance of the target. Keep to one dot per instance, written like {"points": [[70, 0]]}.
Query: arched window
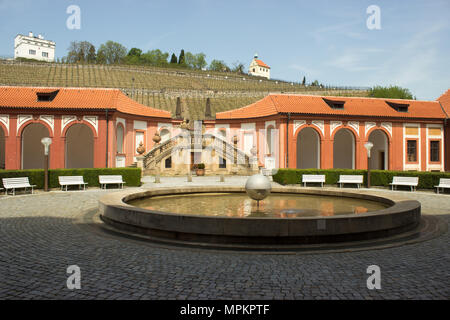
{"points": [[308, 149], [32, 148], [2, 148], [269, 140], [120, 135], [79, 147], [165, 135], [344, 150]]}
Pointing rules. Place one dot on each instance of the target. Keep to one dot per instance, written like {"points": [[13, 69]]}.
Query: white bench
{"points": [[17, 183], [72, 181], [317, 178], [405, 181], [355, 179], [110, 179], [443, 183]]}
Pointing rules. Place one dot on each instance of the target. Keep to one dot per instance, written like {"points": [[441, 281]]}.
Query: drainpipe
{"points": [[287, 139], [107, 134]]}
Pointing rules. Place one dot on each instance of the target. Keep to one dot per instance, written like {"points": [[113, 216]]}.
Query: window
{"points": [[334, 104], [45, 54], [168, 163], [120, 135], [222, 163], [411, 150], [32, 52], [434, 151]]}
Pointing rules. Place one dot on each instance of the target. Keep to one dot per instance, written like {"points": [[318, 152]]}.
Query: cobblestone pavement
{"points": [[41, 235]]}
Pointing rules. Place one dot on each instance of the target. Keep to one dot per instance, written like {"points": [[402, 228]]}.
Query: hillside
{"points": [[158, 87]]}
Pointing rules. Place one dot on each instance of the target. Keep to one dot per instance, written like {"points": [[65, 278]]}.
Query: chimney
{"points": [[30, 34], [178, 109], [208, 109]]}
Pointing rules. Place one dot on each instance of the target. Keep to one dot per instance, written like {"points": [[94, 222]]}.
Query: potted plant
{"points": [[199, 169]]}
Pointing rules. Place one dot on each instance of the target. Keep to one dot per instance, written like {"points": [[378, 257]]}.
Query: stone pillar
{"points": [[140, 164]]}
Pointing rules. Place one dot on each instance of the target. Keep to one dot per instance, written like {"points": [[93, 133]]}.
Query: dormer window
{"points": [[334, 104], [399, 107], [46, 96]]}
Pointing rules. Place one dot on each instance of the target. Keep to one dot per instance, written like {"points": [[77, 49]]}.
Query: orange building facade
{"points": [[103, 128]]}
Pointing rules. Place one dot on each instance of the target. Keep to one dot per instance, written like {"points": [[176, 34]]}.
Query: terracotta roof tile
{"points": [[262, 64], [444, 99], [316, 105], [76, 98]]}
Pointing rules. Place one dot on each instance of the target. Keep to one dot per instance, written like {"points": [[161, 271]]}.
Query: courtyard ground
{"points": [[42, 234]]}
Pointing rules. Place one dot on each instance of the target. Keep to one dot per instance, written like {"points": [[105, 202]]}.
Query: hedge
{"points": [[427, 180], [131, 176]]}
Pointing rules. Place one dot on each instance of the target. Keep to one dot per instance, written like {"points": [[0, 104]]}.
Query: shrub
{"points": [[131, 176], [427, 180]]}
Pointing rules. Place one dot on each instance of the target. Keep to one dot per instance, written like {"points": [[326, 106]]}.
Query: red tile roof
{"points": [[444, 99], [316, 105], [76, 98], [262, 64]]}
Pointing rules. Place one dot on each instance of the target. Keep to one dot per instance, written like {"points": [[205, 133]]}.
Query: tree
{"points": [[134, 52], [78, 51], [304, 81], [315, 83], [195, 61], [113, 52], [218, 65], [189, 60], [200, 61], [173, 59], [91, 56], [238, 67], [393, 92], [133, 56], [101, 59], [155, 58], [181, 58]]}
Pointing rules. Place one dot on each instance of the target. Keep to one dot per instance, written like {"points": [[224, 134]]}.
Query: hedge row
{"points": [[131, 176], [427, 180]]}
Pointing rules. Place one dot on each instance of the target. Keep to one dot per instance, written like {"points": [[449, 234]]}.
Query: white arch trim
{"points": [[319, 124], [93, 120], [334, 125], [387, 126], [21, 119], [4, 118], [50, 120], [66, 120]]}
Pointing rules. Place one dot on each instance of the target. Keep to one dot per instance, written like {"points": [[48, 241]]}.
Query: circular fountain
{"points": [[224, 217]]}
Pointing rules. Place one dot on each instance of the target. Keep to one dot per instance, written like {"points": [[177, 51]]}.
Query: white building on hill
{"points": [[259, 68], [32, 47]]}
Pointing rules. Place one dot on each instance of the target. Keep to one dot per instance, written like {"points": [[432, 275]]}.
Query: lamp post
{"points": [[46, 142], [368, 145]]}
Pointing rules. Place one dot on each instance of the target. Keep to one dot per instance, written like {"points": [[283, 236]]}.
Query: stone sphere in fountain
{"points": [[258, 187]]}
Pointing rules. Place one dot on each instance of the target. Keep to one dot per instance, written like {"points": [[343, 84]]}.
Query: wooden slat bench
{"points": [[405, 181], [110, 179], [443, 184], [72, 181], [316, 178], [17, 183], [355, 179]]}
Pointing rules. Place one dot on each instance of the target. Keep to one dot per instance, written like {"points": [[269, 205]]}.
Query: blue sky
{"points": [[324, 40]]}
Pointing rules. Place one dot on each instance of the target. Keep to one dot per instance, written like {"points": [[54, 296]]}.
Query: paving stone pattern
{"points": [[41, 235]]}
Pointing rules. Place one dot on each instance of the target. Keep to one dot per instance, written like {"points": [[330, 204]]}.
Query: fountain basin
{"points": [[398, 217]]}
